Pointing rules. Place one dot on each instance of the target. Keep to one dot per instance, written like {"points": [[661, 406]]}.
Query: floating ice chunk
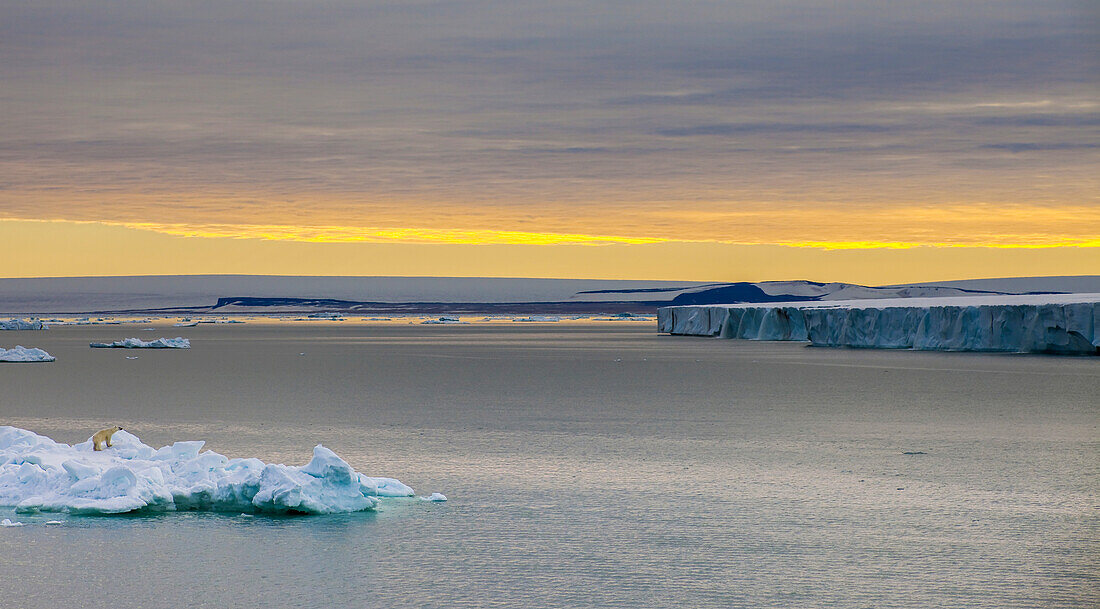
{"points": [[19, 324], [186, 324], [8, 523], [136, 343], [434, 497], [39, 474], [51, 522], [21, 354], [443, 320], [537, 318]]}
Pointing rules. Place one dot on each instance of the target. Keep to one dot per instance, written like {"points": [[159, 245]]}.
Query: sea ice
{"points": [[8, 523], [434, 497], [39, 474], [19, 324], [21, 354], [136, 343]]}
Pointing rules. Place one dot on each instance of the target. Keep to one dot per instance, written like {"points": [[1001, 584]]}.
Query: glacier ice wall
{"points": [[39, 474], [1067, 323]]}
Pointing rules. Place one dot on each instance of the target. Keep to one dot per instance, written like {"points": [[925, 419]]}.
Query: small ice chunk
{"points": [[51, 522], [8, 523], [136, 343], [434, 497], [19, 324], [21, 354]]}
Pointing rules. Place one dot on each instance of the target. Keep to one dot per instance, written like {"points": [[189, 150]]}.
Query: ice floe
{"points": [[21, 324], [39, 474], [21, 354], [438, 497], [1065, 323], [136, 343], [8, 523]]}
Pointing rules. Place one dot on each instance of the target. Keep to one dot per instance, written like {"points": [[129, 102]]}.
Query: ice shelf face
{"points": [[136, 343], [39, 474], [1063, 323], [20, 324], [21, 354]]}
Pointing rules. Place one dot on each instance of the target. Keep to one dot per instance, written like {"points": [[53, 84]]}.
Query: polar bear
{"points": [[103, 436]]}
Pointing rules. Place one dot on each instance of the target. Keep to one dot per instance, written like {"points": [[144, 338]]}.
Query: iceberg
{"points": [[21, 354], [1048, 323], [39, 474], [136, 343], [19, 324]]}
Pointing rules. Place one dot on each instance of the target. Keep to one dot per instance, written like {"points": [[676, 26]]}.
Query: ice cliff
{"points": [[37, 473], [1064, 323], [136, 343]]}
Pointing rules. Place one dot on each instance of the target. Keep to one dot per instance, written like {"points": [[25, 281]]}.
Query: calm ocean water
{"points": [[586, 466]]}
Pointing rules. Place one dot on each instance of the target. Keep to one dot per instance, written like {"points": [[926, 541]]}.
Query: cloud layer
{"points": [[748, 122]]}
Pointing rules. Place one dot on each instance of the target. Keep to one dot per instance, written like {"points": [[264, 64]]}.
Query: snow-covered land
{"points": [[20, 354], [20, 324], [136, 343], [1063, 323], [39, 474]]}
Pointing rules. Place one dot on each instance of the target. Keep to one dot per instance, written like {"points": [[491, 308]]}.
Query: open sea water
{"points": [[587, 465]]}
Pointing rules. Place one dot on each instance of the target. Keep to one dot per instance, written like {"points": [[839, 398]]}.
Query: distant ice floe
{"points": [[136, 343], [186, 324], [1049, 323], [538, 318], [21, 324], [437, 497], [39, 474], [443, 320], [21, 354], [8, 523]]}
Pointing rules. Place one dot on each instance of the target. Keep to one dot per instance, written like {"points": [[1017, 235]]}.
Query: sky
{"points": [[708, 140]]}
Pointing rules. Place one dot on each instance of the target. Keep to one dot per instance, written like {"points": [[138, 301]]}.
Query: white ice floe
{"points": [[8, 523], [434, 497], [21, 354], [1063, 323], [136, 343], [39, 474], [20, 324]]}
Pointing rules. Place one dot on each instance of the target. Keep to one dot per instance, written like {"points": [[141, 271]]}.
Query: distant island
{"points": [[265, 294]]}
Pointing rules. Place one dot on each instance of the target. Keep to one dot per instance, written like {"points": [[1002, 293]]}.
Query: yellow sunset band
{"points": [[418, 235]]}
